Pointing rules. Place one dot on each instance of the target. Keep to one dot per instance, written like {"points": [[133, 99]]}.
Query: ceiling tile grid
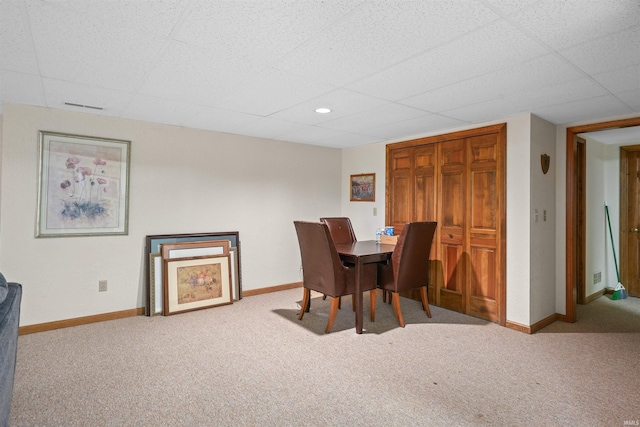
{"points": [[388, 69]]}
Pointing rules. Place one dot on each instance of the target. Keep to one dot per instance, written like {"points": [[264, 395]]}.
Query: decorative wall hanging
{"points": [[545, 161], [363, 187], [83, 187]]}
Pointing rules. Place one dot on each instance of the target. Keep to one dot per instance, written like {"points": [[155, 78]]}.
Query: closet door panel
{"points": [[424, 209], [399, 190], [424, 172], [483, 227], [452, 219]]}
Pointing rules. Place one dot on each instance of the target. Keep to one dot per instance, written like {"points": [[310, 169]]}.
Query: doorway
{"points": [[630, 218], [575, 214]]}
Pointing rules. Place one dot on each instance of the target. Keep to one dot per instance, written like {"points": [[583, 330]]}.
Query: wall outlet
{"points": [[102, 286], [375, 211]]}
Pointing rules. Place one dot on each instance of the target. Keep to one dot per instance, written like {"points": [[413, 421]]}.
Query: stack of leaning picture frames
{"points": [[188, 272]]}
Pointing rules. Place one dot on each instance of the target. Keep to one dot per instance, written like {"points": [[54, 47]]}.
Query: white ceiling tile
{"points": [[16, 44], [269, 29], [620, 79], [570, 91], [196, 74], [617, 136], [495, 46], [220, 120], [152, 109], [310, 135], [156, 17], [416, 127], [341, 102], [582, 110], [21, 88], [575, 90], [618, 50], [267, 127], [508, 7], [379, 34], [348, 140], [531, 75], [379, 116], [88, 50], [272, 91], [630, 98], [561, 24]]}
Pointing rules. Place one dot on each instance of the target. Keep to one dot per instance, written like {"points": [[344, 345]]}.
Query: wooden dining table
{"points": [[360, 253]]}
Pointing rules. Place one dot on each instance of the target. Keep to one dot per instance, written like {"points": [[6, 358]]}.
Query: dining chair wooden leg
{"points": [[353, 302], [305, 302], [425, 300], [335, 301], [396, 307], [372, 303]]}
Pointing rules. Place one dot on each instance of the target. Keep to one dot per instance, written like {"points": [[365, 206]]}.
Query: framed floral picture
{"points": [[363, 187], [196, 283], [83, 186], [154, 245]]}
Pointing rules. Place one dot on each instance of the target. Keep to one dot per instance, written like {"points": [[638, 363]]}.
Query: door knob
{"points": [[634, 230]]}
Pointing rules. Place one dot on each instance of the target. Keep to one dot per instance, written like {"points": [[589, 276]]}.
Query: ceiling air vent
{"points": [[72, 104]]}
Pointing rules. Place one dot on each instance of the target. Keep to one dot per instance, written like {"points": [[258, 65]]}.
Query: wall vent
{"points": [[73, 104], [597, 277]]}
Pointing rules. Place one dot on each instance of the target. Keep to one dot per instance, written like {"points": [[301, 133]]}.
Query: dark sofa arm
{"points": [[9, 323]]}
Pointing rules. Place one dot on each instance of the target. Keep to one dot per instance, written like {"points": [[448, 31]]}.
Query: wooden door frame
{"points": [[574, 173], [625, 259]]}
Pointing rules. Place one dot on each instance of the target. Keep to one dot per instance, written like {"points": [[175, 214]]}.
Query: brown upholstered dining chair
{"points": [[409, 265], [341, 229], [322, 270]]}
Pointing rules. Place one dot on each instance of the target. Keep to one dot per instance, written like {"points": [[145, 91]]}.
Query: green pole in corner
{"points": [[613, 248], [619, 292]]}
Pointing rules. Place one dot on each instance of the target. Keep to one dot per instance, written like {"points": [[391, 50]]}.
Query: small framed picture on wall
{"points": [[363, 187]]}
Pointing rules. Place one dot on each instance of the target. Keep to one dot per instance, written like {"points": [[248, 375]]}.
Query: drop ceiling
{"points": [[388, 70]]}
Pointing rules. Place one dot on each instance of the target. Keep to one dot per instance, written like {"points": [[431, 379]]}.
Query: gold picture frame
{"points": [[155, 283], [363, 187], [196, 283]]}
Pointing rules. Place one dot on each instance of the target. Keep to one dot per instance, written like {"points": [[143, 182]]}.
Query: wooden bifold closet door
{"points": [[457, 180]]}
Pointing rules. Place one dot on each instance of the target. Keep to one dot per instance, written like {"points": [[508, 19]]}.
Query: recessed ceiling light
{"points": [[323, 110]]}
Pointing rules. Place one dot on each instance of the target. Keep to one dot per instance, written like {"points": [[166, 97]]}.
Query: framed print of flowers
{"points": [[83, 186]]}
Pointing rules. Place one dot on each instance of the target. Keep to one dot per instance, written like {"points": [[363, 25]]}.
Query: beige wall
{"points": [[182, 181], [543, 228]]}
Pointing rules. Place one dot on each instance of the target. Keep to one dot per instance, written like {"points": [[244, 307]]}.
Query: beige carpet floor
{"points": [[254, 364]]}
